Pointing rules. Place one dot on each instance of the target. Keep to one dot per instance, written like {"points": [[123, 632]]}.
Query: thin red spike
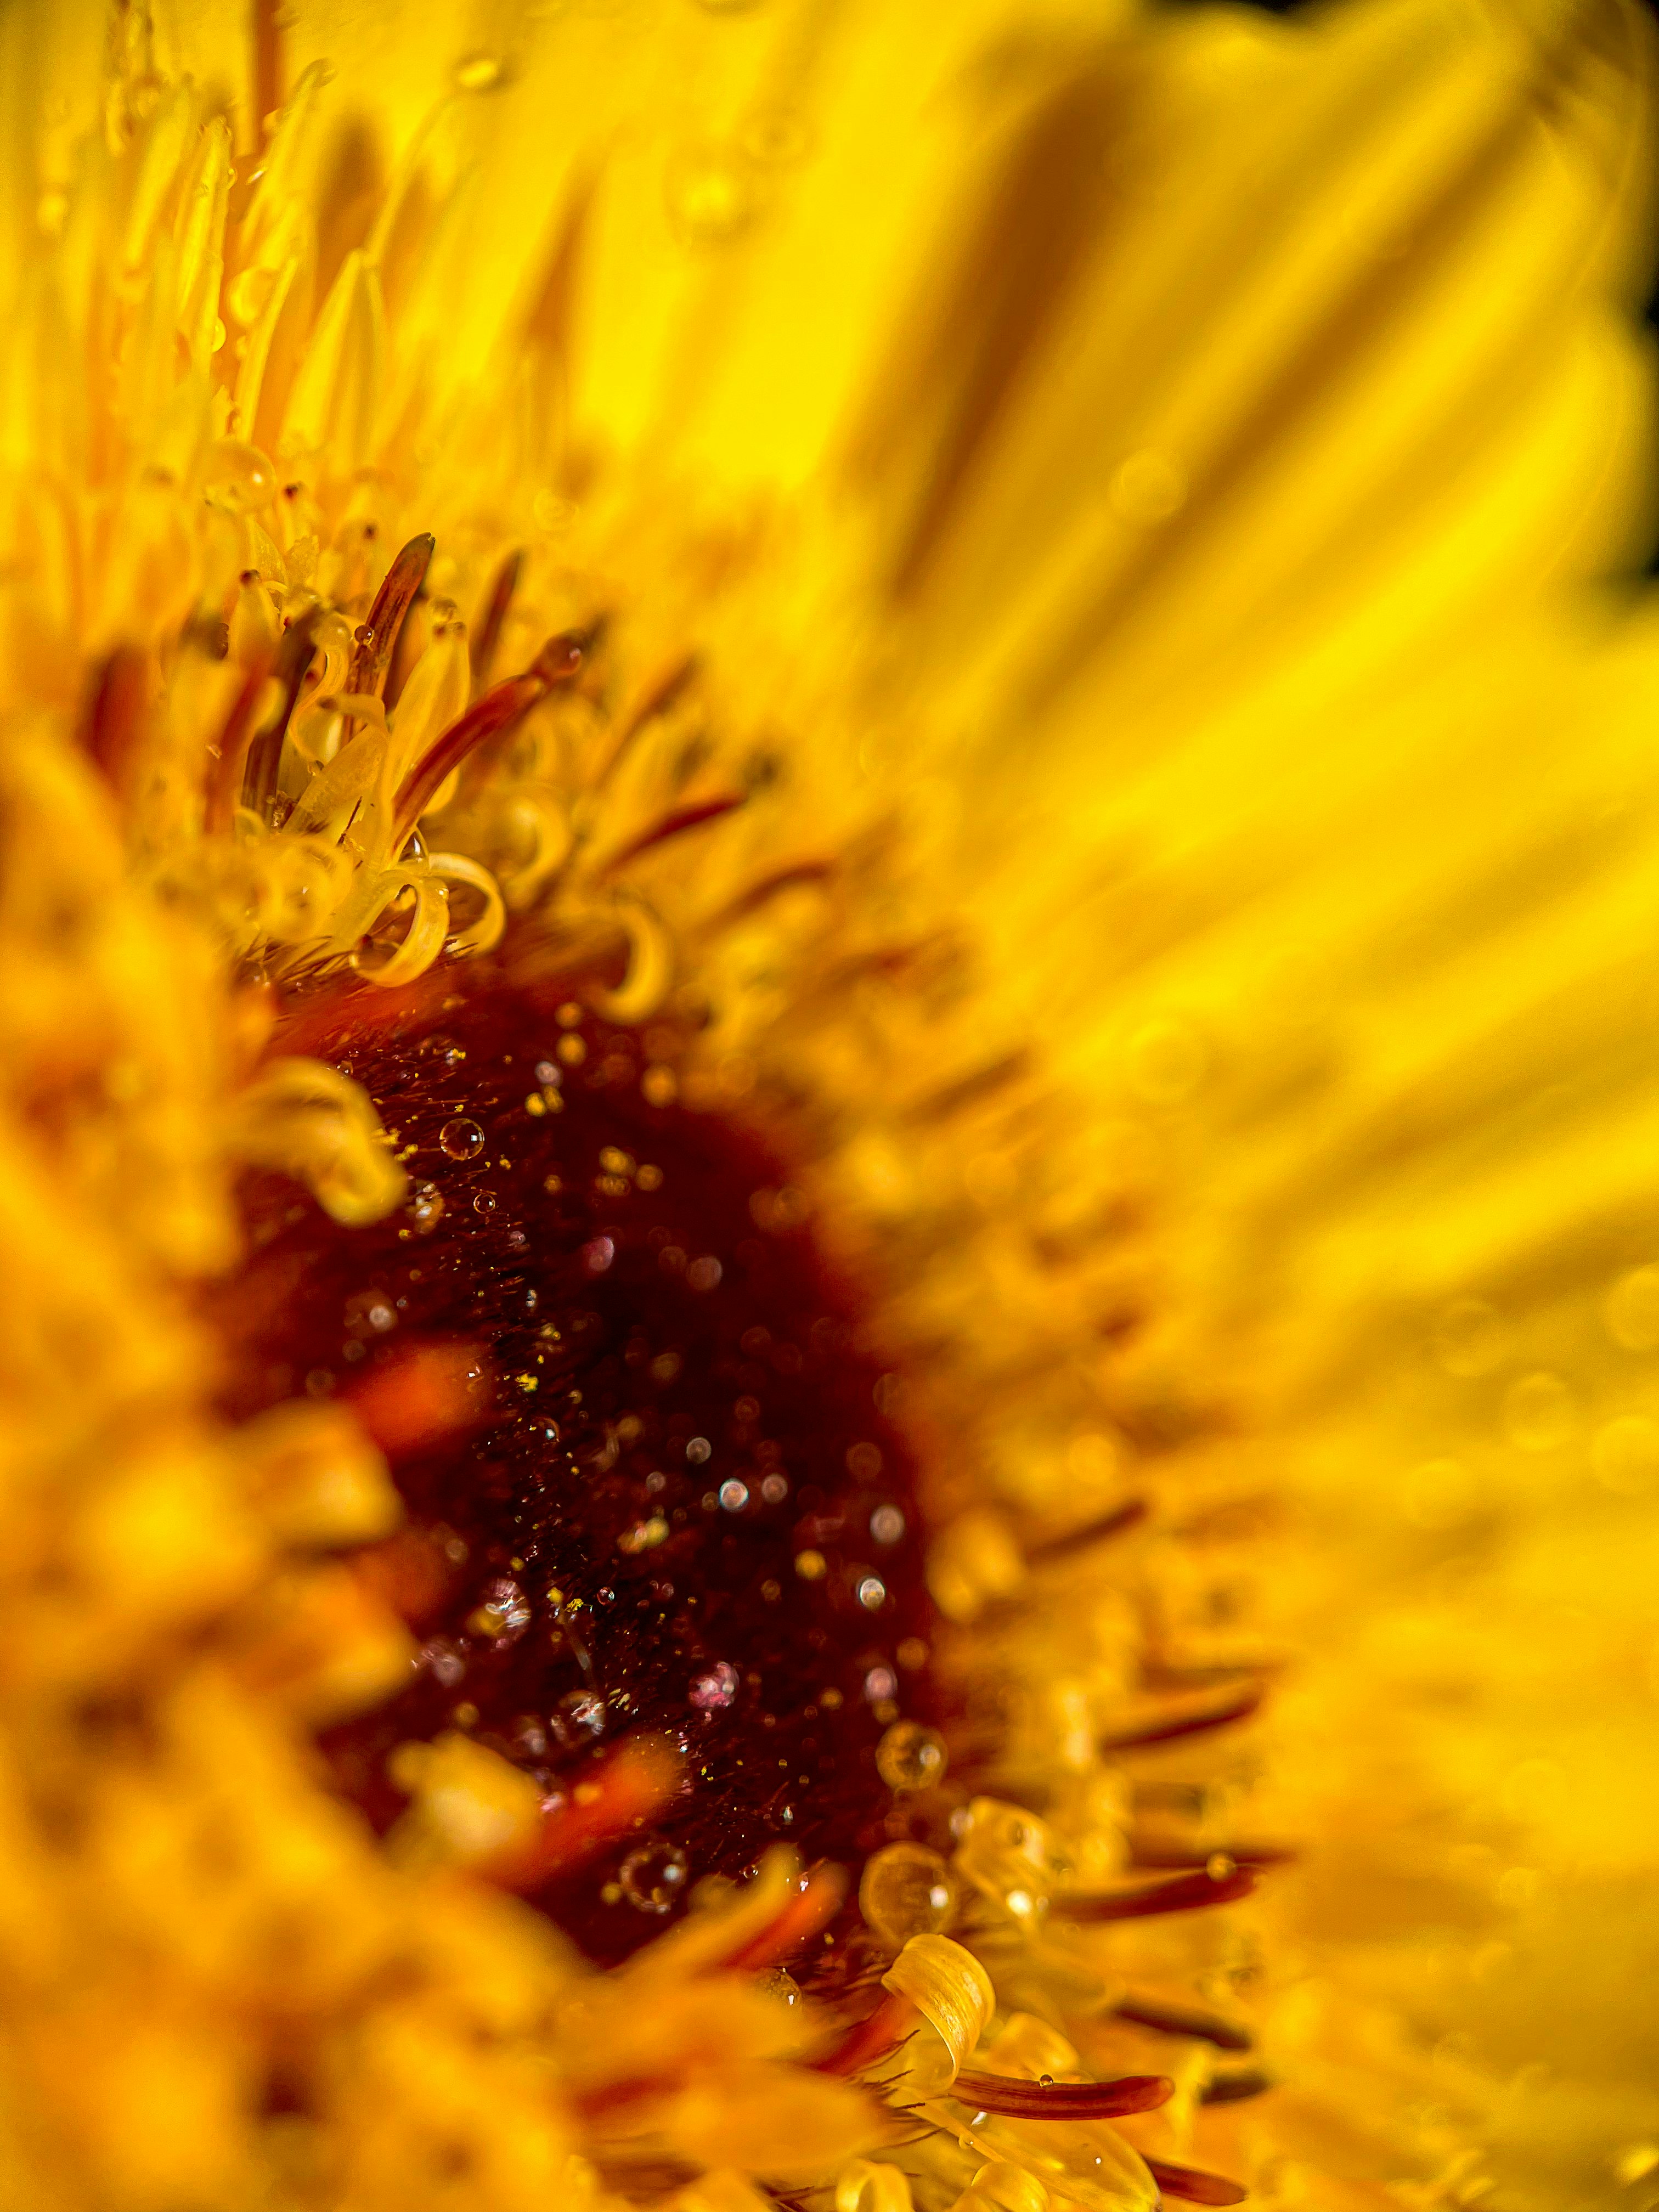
{"points": [[807, 1912], [432, 1393], [496, 712], [663, 695], [625, 1791], [1146, 1852], [1235, 2084], [886, 2027], [115, 713], [560, 662], [378, 636], [768, 887], [264, 755], [229, 762], [487, 638], [674, 824], [269, 74], [969, 1090], [1117, 1522], [1185, 1892], [1186, 2181], [1185, 2019], [1062, 2100], [1190, 1717]]}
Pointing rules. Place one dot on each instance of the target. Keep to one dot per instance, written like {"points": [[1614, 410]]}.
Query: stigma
{"points": [[652, 1492]]}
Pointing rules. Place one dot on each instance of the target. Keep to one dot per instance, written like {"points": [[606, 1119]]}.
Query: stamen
{"points": [[1186, 1893], [663, 695], [488, 637], [1235, 2086], [1195, 2187], [1184, 2020], [265, 757], [969, 1090], [882, 2032], [1146, 1852], [767, 888], [1188, 1717], [620, 1795], [115, 713], [1117, 1522], [268, 71], [1062, 2100], [230, 757], [393, 602], [496, 712], [674, 824], [808, 1912], [423, 1399]]}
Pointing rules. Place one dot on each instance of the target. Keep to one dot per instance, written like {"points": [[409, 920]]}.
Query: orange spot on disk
{"points": [[433, 1392], [809, 1909], [408, 1573], [887, 2026], [625, 1792]]}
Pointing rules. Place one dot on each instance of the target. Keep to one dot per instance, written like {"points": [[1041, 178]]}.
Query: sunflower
{"points": [[828, 1176]]}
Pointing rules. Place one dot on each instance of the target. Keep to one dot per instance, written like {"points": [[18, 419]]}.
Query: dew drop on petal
{"points": [[907, 1890], [1539, 1413], [478, 73], [652, 1877], [461, 1138], [713, 1691], [710, 195], [910, 1756], [1631, 1309]]}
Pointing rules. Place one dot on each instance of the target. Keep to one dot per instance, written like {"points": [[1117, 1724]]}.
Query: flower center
{"points": [[672, 1501]]}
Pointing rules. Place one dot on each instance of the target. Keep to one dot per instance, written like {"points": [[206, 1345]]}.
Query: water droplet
{"points": [[485, 1203], [910, 1756], [735, 1496], [1625, 1453], [887, 1524], [872, 1595], [879, 1684], [698, 1450], [1441, 1493], [652, 1877], [775, 1489], [1631, 1309], [1469, 1337], [502, 1612], [1166, 1060], [579, 1717], [703, 1274], [907, 1890], [1218, 1866], [238, 478], [1538, 1414], [777, 137], [714, 1692], [478, 73], [463, 1140], [710, 195], [1147, 488]]}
